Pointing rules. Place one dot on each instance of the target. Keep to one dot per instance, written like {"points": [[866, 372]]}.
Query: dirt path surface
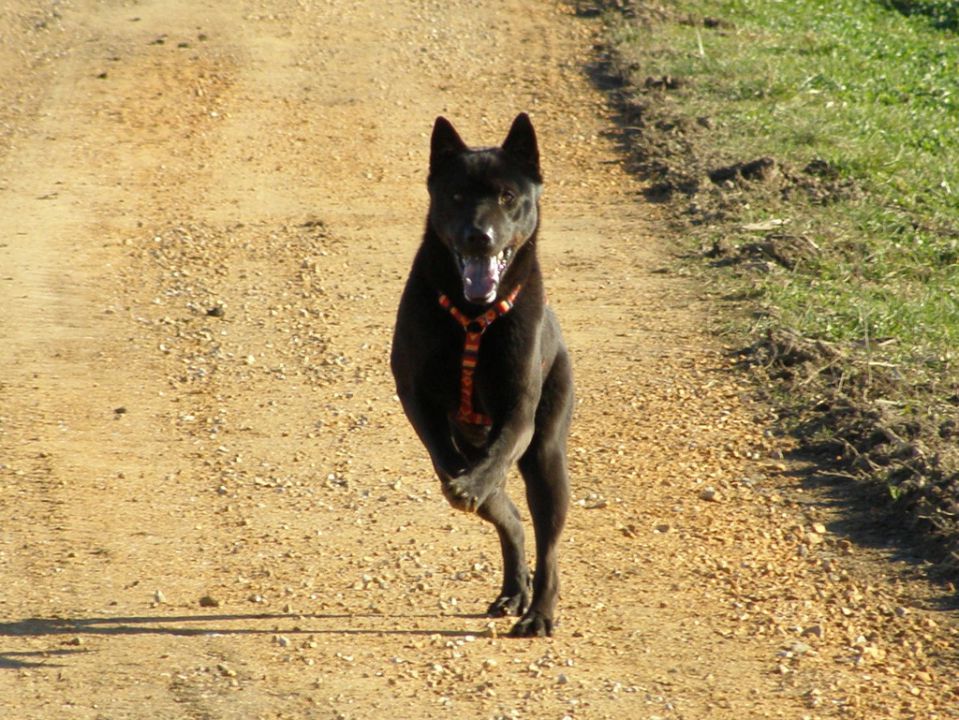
{"points": [[211, 505]]}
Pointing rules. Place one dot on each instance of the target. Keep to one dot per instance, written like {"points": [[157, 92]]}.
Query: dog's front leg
{"points": [[508, 442], [432, 427]]}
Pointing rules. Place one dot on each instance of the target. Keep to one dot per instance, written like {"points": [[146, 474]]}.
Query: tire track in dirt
{"points": [[258, 535]]}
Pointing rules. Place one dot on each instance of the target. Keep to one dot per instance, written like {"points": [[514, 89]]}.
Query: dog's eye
{"points": [[506, 198], [457, 197]]}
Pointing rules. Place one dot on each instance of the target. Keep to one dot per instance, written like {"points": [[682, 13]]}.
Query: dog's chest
{"points": [[475, 435]]}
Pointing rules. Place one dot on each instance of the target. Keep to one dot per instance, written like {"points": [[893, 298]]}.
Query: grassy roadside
{"points": [[808, 149]]}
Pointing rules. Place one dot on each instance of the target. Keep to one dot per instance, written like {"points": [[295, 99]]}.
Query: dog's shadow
{"points": [[211, 626]]}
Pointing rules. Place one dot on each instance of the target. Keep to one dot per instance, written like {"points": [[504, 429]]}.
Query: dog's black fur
{"points": [[480, 244]]}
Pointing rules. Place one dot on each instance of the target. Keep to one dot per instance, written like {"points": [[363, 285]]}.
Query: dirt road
{"points": [[211, 505]]}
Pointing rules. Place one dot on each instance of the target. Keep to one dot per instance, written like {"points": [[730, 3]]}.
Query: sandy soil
{"points": [[212, 505]]}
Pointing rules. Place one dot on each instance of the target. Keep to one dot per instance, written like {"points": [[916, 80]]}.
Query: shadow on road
{"points": [[868, 520], [24, 660], [212, 626]]}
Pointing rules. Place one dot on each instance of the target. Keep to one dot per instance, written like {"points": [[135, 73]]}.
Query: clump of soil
{"points": [[845, 421]]}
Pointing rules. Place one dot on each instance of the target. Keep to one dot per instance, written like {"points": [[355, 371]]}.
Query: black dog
{"points": [[478, 359]]}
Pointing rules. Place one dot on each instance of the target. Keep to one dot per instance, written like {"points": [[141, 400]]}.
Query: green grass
{"points": [[872, 88]]}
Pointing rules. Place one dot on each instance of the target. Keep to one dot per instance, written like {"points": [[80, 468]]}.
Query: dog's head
{"points": [[484, 203]]}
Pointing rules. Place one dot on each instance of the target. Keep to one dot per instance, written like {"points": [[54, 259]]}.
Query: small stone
{"points": [[76, 641], [562, 679], [209, 601], [800, 648], [226, 670], [709, 494], [813, 631], [158, 597], [282, 641], [873, 652], [819, 528]]}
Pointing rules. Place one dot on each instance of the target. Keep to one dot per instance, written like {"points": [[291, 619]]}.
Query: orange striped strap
{"points": [[474, 329]]}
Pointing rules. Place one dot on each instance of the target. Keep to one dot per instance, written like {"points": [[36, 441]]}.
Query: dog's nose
{"points": [[478, 242]]}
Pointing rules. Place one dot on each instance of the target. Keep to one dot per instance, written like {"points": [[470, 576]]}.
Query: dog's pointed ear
{"points": [[520, 144], [444, 142]]}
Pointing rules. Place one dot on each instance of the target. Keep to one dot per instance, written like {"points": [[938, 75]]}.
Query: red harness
{"points": [[474, 329]]}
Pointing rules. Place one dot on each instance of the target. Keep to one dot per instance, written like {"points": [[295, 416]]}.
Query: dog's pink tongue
{"points": [[480, 279]]}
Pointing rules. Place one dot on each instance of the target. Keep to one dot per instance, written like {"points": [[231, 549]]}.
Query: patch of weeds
{"points": [[808, 151]]}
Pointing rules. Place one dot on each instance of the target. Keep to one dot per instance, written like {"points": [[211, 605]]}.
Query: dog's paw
{"points": [[507, 604], [463, 494], [533, 624]]}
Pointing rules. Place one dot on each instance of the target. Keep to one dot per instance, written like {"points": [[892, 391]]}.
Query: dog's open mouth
{"points": [[481, 275]]}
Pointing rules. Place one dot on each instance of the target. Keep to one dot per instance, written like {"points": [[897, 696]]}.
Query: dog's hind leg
{"points": [[543, 467], [514, 595]]}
